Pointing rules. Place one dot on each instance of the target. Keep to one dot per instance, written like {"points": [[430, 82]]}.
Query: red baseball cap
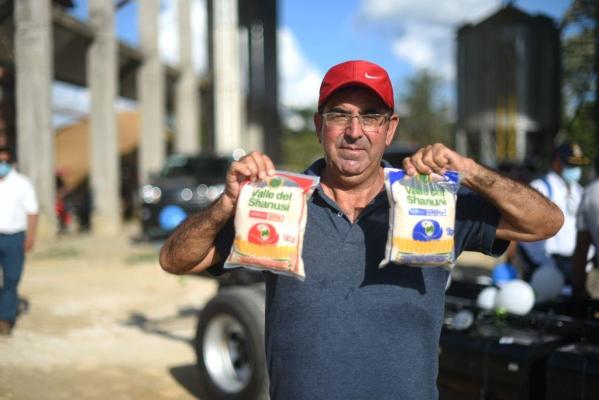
{"points": [[357, 72]]}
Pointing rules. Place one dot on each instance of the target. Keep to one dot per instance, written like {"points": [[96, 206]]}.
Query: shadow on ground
{"points": [[166, 326], [188, 377]]}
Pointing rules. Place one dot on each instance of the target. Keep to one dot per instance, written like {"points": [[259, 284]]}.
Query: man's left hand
{"points": [[525, 214], [437, 158]]}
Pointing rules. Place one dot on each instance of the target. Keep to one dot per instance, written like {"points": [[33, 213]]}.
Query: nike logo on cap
{"points": [[368, 76]]}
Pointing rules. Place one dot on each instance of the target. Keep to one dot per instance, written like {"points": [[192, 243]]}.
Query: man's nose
{"points": [[354, 129]]}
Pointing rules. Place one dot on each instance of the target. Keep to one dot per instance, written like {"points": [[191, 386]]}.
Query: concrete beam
{"points": [[34, 72], [152, 149], [102, 81], [187, 105]]}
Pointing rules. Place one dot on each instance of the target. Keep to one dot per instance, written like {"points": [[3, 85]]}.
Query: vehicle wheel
{"points": [[229, 346], [240, 277]]}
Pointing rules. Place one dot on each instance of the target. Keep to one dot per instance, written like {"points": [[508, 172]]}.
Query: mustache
{"points": [[358, 144], [349, 147]]}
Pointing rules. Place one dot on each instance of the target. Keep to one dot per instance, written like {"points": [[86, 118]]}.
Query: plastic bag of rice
{"points": [[421, 218], [270, 221]]}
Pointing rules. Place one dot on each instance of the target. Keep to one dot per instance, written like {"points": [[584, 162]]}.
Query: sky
{"points": [[403, 36]]}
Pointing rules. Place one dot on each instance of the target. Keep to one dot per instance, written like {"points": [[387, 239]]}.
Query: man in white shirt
{"points": [[588, 234], [561, 186], [18, 223]]}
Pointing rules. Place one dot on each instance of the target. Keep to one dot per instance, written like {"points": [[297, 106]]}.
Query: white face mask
{"points": [[572, 174]]}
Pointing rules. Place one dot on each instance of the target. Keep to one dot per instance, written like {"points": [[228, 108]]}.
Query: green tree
{"points": [[423, 119], [580, 65], [300, 146]]}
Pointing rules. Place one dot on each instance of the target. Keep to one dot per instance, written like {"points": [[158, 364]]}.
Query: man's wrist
{"points": [[225, 204], [474, 175], [221, 211]]}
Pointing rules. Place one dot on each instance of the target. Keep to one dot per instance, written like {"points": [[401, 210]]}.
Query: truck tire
{"points": [[229, 346]]}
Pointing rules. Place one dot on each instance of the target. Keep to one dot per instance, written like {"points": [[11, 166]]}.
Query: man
{"points": [[561, 186], [18, 224], [352, 330], [588, 234]]}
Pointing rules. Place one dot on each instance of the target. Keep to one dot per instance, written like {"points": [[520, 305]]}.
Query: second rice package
{"points": [[270, 221], [421, 218]]}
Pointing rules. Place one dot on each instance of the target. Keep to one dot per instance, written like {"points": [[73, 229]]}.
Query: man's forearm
{"points": [[531, 215], [192, 241], [31, 231], [525, 214], [32, 225]]}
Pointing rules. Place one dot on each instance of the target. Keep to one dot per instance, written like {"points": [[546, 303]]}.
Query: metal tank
{"points": [[508, 88]]}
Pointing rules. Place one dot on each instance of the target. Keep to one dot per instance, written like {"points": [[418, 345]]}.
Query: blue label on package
{"points": [[427, 230], [425, 212]]}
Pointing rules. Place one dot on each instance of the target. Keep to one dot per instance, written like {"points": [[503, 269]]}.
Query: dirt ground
{"points": [[101, 320]]}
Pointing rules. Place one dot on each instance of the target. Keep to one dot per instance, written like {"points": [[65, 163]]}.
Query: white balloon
{"points": [[486, 298], [516, 296], [547, 282]]}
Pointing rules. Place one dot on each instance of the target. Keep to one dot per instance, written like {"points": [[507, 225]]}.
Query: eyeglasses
{"points": [[342, 121]]}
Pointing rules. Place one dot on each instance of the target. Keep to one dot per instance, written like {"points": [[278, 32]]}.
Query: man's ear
{"points": [[391, 129], [318, 125]]}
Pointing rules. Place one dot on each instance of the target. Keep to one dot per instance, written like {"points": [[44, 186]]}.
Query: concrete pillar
{"points": [[152, 148], [487, 148], [520, 145], [102, 82], [256, 127], [227, 77], [461, 141], [34, 74], [252, 86], [187, 99]]}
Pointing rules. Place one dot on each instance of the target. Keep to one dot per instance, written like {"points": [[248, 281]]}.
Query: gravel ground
{"points": [[102, 320]]}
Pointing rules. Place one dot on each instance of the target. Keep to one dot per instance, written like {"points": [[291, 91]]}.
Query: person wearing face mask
{"points": [[18, 223], [561, 186], [588, 236]]}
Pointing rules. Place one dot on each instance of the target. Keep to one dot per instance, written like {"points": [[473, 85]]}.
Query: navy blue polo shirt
{"points": [[352, 330]]}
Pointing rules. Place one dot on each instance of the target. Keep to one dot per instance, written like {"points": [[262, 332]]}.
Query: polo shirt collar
{"points": [[316, 170], [317, 166]]}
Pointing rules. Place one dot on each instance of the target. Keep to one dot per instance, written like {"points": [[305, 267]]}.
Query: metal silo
{"points": [[508, 77]]}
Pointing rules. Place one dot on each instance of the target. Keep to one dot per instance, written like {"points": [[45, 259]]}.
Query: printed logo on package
{"points": [[270, 221], [421, 218]]}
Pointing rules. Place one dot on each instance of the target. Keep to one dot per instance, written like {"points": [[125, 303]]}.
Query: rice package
{"points": [[421, 218], [270, 221]]}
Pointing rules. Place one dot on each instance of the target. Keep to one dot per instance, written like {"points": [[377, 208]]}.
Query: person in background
{"points": [[588, 234], [63, 214], [560, 185], [18, 224]]}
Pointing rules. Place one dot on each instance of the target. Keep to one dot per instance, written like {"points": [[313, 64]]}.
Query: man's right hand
{"points": [[250, 167], [190, 248]]}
